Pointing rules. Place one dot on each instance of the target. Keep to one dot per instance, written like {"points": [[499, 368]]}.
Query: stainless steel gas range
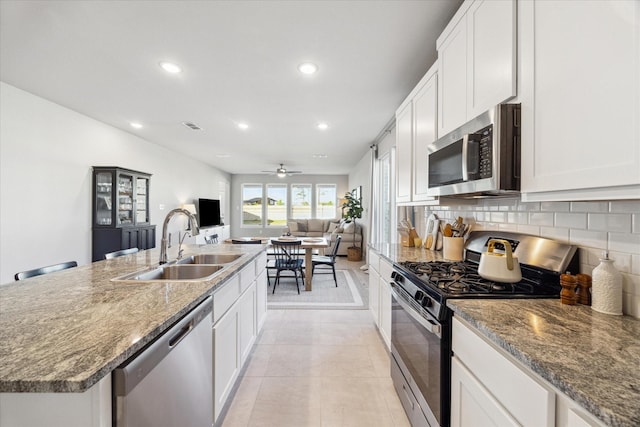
{"points": [[421, 321]]}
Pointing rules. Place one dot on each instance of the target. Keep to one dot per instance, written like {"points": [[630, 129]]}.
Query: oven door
{"points": [[421, 355]]}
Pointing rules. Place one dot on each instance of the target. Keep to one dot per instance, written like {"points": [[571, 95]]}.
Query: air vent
{"points": [[192, 126]]}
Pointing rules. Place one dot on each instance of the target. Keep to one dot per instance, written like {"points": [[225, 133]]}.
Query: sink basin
{"points": [[210, 259], [188, 272]]}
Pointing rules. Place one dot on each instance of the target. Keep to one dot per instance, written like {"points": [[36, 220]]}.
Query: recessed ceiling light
{"points": [[223, 156], [243, 126], [170, 67], [320, 156], [135, 125], [307, 68], [323, 126]]}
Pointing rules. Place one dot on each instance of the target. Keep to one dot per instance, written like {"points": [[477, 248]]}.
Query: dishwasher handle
{"points": [[133, 371]]}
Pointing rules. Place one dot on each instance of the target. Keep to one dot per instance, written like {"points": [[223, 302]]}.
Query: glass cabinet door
{"points": [[104, 204], [125, 199], [142, 200]]}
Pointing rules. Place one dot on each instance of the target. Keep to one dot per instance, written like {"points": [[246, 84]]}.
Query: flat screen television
{"points": [[208, 212]]}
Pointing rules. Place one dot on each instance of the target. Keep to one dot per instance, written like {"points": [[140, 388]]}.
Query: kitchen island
{"points": [[64, 332]]}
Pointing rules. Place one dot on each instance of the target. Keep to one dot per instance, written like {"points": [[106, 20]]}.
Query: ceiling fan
{"points": [[281, 172]]}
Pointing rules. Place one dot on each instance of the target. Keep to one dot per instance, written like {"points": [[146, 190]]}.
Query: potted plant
{"points": [[352, 209]]}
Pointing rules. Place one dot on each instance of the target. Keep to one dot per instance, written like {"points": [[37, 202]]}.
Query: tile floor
{"points": [[325, 368]]}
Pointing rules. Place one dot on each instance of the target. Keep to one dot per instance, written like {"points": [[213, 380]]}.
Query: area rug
{"points": [[324, 293]]}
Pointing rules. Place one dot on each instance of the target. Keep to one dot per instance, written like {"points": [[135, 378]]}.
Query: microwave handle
{"points": [[469, 142]]}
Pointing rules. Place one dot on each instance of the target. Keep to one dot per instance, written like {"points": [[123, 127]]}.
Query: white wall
{"points": [[341, 182], [46, 155]]}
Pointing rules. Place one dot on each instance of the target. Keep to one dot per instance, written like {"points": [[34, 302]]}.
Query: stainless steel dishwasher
{"points": [[170, 383]]}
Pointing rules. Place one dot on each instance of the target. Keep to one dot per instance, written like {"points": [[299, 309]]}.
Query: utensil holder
{"points": [[453, 248]]}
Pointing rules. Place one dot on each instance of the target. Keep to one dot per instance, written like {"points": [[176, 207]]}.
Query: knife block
{"points": [[408, 241]]}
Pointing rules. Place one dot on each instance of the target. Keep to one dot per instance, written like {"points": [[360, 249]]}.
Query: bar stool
{"points": [[45, 270]]}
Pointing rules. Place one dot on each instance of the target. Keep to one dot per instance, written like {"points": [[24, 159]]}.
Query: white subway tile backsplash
{"points": [[555, 206], [624, 242], [592, 226], [590, 207], [610, 222], [625, 206], [593, 239], [544, 219], [571, 220], [498, 217]]}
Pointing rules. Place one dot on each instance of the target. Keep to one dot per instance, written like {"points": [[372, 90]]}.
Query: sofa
{"points": [[329, 229]]}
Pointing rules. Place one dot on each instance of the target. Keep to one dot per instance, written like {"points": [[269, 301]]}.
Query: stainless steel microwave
{"points": [[480, 158]]}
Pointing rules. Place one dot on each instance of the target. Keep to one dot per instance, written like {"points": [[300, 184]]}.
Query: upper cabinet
{"points": [[476, 61], [416, 128], [580, 94]]}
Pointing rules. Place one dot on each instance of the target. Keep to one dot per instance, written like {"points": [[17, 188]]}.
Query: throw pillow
{"points": [[293, 226], [302, 226]]}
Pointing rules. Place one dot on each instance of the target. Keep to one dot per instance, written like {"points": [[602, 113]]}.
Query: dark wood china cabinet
{"points": [[120, 211]]}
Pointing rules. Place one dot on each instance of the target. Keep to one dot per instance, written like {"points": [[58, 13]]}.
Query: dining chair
{"points": [[287, 258], [45, 270], [121, 252], [211, 239], [323, 262]]}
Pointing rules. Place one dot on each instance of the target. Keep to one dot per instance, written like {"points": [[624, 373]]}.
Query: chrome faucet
{"points": [[193, 224]]}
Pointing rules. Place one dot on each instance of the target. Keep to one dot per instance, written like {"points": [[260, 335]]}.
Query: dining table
{"points": [[308, 244]]}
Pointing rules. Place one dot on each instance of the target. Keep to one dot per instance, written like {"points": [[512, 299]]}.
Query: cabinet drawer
{"points": [[247, 276], [386, 268], [261, 263], [518, 392], [225, 297]]}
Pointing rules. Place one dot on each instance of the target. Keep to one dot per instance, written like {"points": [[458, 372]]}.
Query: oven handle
{"points": [[428, 324]]}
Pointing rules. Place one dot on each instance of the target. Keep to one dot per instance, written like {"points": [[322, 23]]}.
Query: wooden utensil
{"points": [[448, 231]]}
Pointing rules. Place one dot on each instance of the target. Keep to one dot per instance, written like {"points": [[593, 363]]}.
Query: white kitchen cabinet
{"points": [[91, 408], [223, 232], [247, 328], [416, 123], [404, 135], [226, 357], [489, 387], [472, 404], [580, 95], [476, 61], [380, 294], [261, 291], [485, 376]]}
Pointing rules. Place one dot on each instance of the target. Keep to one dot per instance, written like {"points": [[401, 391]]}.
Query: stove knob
{"points": [[426, 301], [419, 296]]}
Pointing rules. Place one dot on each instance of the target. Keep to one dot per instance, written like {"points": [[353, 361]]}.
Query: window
{"points": [[326, 201], [277, 205], [252, 205], [301, 201]]}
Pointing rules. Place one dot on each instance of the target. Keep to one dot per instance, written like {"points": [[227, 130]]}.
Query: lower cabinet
{"points": [[105, 240], [380, 294], [239, 310], [489, 388]]}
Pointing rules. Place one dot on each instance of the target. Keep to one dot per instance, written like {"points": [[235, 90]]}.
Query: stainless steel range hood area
{"points": [[479, 159]]}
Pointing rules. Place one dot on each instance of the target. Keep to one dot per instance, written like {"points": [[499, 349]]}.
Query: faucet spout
{"points": [[193, 224]]}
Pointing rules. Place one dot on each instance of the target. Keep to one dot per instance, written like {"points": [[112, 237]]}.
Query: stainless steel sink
{"points": [[210, 259], [175, 272]]}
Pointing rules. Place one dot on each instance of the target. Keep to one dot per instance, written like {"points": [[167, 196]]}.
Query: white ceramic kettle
{"points": [[498, 267]]}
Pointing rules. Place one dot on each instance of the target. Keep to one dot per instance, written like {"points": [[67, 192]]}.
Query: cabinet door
{"points": [[452, 76], [125, 195], [491, 60], [142, 200], [261, 299], [581, 99], [425, 105], [385, 311], [130, 238], [103, 198], [472, 404], [226, 358], [404, 138], [247, 325], [374, 295]]}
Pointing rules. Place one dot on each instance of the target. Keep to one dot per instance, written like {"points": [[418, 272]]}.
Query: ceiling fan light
{"points": [[281, 174], [307, 68]]}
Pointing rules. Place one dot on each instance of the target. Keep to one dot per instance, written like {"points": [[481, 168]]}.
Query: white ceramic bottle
{"points": [[606, 290]]}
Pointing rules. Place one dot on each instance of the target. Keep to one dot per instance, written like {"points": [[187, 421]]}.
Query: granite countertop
{"points": [[64, 331], [399, 253], [593, 358]]}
